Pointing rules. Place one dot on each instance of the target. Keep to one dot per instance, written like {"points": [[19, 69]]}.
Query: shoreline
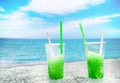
{"points": [[12, 65], [74, 72]]}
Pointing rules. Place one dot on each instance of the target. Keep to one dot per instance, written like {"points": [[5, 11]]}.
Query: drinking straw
{"points": [[52, 50], [82, 32], [83, 36], [61, 41], [101, 43]]}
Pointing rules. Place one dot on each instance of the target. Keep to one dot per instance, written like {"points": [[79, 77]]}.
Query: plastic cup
{"points": [[95, 60], [55, 62]]}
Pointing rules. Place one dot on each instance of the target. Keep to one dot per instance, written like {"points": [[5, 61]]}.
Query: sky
{"points": [[33, 18]]}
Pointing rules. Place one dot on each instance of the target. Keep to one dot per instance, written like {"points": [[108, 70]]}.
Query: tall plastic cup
{"points": [[55, 61], [95, 59]]}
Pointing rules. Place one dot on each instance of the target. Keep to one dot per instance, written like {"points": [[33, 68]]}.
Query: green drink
{"points": [[56, 67], [55, 61], [95, 65]]}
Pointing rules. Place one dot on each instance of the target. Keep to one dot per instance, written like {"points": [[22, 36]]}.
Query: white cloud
{"points": [[59, 6], [1, 9], [92, 21], [30, 32], [22, 33], [92, 26], [20, 27], [18, 20], [14, 16]]}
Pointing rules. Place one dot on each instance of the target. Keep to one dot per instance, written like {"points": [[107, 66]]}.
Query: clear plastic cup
{"points": [[55, 61], [95, 59]]}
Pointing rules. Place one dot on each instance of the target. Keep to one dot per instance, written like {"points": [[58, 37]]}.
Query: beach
{"points": [[74, 72]]}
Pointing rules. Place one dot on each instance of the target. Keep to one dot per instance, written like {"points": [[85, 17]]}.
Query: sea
{"points": [[21, 51]]}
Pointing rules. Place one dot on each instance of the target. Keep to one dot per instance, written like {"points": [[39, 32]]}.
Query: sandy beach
{"points": [[75, 72]]}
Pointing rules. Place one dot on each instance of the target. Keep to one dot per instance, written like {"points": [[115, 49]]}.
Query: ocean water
{"points": [[20, 51]]}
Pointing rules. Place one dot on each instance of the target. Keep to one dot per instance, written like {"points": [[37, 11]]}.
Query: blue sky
{"points": [[33, 18]]}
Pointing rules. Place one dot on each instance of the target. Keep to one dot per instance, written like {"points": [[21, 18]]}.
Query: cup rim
{"points": [[95, 42], [54, 44]]}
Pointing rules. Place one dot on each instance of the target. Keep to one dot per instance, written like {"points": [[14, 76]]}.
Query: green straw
{"points": [[61, 42], [81, 29], [84, 39]]}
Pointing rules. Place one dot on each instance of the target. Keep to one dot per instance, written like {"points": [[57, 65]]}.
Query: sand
{"points": [[75, 72]]}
